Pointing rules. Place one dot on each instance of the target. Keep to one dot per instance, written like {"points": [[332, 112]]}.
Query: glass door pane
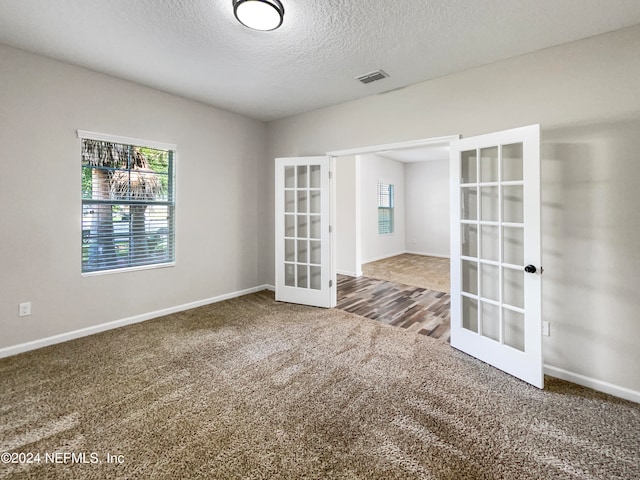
{"points": [[469, 203], [470, 277], [491, 324], [470, 314], [469, 240], [489, 202], [513, 245], [512, 168], [513, 329], [513, 203], [489, 164], [469, 167]]}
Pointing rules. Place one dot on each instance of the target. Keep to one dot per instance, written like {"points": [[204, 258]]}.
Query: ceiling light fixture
{"points": [[259, 14]]}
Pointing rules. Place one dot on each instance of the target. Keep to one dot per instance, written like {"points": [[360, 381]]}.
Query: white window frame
{"points": [[89, 135], [391, 208]]}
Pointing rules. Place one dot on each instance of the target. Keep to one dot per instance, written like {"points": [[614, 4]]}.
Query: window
{"points": [[385, 208], [128, 203]]}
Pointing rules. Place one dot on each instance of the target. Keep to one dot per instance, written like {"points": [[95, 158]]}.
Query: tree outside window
{"points": [[127, 206]]}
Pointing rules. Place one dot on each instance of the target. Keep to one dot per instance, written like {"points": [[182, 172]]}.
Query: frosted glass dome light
{"points": [[259, 14]]}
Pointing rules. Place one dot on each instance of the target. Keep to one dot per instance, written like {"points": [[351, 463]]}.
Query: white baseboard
{"points": [[348, 274], [437, 255], [424, 254], [84, 332], [599, 385], [375, 259]]}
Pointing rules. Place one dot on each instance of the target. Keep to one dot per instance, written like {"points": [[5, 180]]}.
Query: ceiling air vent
{"points": [[372, 76]]}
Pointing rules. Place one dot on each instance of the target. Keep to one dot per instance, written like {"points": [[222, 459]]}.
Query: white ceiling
{"points": [[196, 48]]}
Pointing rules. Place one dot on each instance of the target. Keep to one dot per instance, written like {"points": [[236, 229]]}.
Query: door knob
{"points": [[530, 269]]}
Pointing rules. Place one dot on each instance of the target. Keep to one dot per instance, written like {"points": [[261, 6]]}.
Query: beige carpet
{"points": [[252, 389], [431, 273]]}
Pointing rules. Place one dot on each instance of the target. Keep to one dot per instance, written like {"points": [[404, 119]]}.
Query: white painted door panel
{"points": [[304, 271], [495, 243]]}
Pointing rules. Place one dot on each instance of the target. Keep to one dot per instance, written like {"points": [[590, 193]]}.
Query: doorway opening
{"points": [[392, 254]]}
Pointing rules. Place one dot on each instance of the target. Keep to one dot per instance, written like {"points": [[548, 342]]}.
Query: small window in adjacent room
{"points": [[128, 203], [385, 208]]}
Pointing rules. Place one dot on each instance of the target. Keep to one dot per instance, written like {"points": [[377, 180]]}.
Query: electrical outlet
{"points": [[25, 309], [546, 329]]}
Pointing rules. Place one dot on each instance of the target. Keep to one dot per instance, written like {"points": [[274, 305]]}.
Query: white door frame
{"points": [[433, 141], [372, 149]]}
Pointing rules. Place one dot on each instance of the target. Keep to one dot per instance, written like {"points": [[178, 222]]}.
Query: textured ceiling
{"points": [[196, 48]]}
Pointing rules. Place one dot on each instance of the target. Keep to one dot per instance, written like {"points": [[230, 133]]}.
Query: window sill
{"points": [[128, 269]]}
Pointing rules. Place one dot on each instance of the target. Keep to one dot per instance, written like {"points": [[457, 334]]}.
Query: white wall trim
{"points": [[84, 332], [438, 255], [395, 146], [349, 274], [599, 385], [358, 215], [400, 253], [107, 137], [369, 260]]}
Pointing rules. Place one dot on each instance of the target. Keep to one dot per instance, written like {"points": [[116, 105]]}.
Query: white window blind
{"points": [[128, 205], [385, 208]]}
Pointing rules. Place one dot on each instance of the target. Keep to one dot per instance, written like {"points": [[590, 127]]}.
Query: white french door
{"points": [[495, 251], [304, 272]]}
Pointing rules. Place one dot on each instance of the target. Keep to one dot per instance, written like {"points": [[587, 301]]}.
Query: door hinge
{"points": [[330, 175], [330, 283], [330, 229]]}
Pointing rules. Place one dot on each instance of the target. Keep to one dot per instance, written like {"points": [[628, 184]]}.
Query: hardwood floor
{"points": [[405, 306], [423, 271]]}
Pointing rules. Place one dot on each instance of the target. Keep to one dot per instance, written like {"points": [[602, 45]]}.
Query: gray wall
{"points": [[348, 222], [422, 210], [427, 207], [582, 94], [42, 103], [374, 169], [591, 225]]}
